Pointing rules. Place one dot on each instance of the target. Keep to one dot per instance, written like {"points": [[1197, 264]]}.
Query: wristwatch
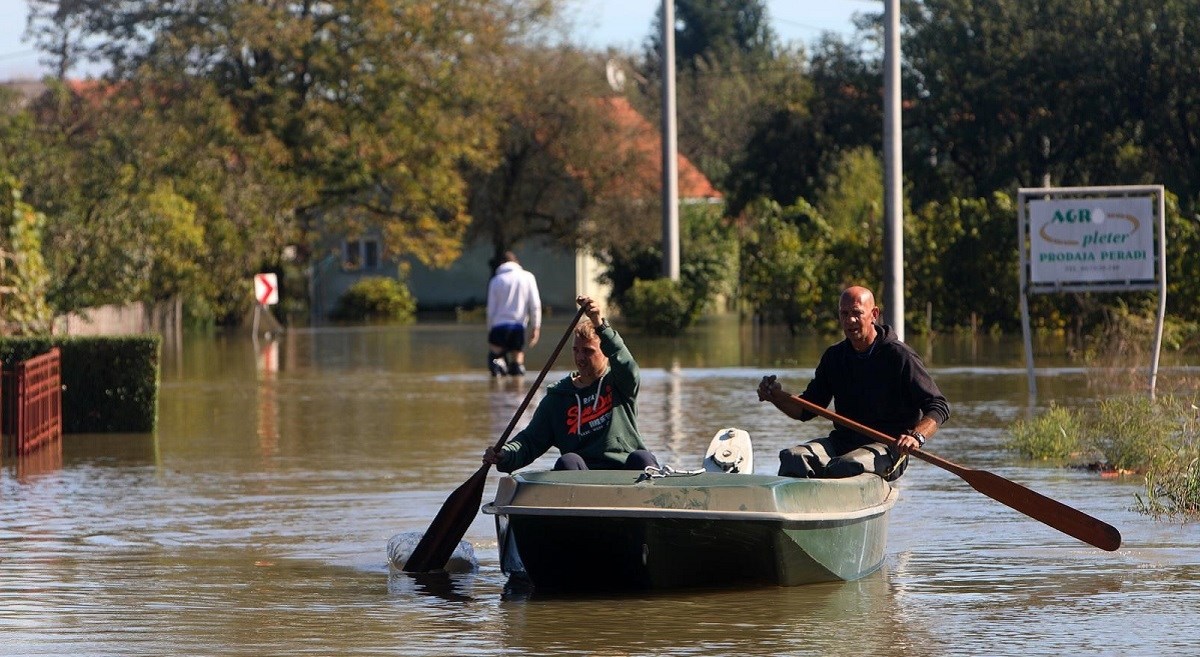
{"points": [[918, 435]]}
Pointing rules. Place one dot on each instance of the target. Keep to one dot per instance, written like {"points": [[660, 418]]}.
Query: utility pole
{"points": [[670, 158], [893, 206]]}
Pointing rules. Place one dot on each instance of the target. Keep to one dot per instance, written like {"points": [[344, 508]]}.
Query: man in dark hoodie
{"points": [[874, 379], [591, 414]]}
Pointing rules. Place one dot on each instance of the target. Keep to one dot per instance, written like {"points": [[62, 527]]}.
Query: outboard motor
{"points": [[730, 451]]}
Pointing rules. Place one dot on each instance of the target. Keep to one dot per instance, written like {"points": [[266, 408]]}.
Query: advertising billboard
{"points": [[1078, 240]]}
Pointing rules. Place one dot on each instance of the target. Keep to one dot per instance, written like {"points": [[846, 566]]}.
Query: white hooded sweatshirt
{"points": [[513, 297]]}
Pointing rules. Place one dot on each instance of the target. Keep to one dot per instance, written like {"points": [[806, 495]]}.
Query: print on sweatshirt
{"points": [[594, 414]]}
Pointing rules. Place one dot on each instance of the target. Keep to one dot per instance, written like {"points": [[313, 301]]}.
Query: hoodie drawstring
{"points": [[599, 387], [579, 404]]}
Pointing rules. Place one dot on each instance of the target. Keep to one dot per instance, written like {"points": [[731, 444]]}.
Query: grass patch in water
{"points": [[1133, 432], [1054, 434], [1173, 482], [1174, 492], [1127, 434]]}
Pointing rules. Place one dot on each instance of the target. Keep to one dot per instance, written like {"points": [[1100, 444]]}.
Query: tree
{"points": [[73, 174], [148, 195], [961, 257], [791, 150], [372, 108], [567, 166], [710, 31], [23, 274], [731, 75], [782, 254], [1158, 88], [1005, 94]]}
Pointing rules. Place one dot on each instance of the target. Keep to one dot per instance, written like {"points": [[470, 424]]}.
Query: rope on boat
{"points": [[652, 472]]}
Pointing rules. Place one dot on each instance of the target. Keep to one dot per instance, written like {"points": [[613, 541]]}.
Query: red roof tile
{"points": [[646, 143]]}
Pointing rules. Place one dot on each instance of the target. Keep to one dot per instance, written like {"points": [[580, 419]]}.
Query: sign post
{"points": [[1092, 239], [266, 293]]}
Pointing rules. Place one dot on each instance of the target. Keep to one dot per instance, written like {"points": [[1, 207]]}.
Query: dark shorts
{"points": [[509, 336]]}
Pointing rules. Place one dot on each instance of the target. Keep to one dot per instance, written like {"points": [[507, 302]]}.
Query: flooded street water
{"points": [[255, 520]]}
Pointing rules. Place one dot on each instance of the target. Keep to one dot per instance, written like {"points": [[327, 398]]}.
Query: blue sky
{"points": [[626, 23], [598, 23]]}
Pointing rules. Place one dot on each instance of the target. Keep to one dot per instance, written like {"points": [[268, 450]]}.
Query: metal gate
{"points": [[32, 408]]}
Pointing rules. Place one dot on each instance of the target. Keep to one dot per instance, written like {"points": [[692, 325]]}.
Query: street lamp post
{"points": [[670, 158]]}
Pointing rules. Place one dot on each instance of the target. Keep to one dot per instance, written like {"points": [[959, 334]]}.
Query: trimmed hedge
{"points": [[110, 383]]}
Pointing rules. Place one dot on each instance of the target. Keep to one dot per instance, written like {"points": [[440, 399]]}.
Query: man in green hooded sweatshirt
{"points": [[590, 415]]}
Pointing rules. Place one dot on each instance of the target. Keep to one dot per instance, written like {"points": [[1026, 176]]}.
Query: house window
{"points": [[360, 254]]}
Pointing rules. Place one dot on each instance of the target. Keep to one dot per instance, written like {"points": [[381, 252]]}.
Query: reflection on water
{"points": [[268, 398], [256, 519], [770, 621]]}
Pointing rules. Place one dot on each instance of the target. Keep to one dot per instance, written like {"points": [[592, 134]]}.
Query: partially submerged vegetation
{"points": [[1174, 492], [1054, 434], [1129, 434]]}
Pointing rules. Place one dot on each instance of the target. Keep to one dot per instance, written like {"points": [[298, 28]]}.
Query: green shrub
{"points": [[1172, 490], [376, 298], [1130, 433], [707, 266], [783, 256], [110, 383], [1173, 481], [1055, 434], [1133, 431], [658, 307]]}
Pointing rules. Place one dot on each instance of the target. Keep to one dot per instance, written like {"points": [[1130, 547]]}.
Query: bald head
{"points": [[857, 294], [857, 314]]}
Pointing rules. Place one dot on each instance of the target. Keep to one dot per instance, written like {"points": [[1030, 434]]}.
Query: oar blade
{"points": [[1066, 519], [449, 526]]}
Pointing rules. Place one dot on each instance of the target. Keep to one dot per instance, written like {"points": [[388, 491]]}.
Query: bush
{"points": [[707, 267], [1173, 491], [1054, 434], [376, 298], [659, 306], [1131, 433]]}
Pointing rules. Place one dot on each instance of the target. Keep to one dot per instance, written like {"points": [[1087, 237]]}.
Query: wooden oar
{"points": [[1065, 519], [459, 510]]}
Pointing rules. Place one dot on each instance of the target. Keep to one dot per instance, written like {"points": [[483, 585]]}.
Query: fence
{"points": [[32, 404]]}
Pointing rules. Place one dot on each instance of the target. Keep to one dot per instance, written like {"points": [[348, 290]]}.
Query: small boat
{"points": [[618, 529]]}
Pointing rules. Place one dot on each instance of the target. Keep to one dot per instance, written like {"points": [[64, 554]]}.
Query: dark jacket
{"points": [[599, 422], [885, 388]]}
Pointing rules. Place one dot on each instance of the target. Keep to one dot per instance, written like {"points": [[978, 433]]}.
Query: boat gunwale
{"points": [[822, 517]]}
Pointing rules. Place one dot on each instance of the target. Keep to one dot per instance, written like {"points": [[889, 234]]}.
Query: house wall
{"points": [[331, 278], [561, 276]]}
